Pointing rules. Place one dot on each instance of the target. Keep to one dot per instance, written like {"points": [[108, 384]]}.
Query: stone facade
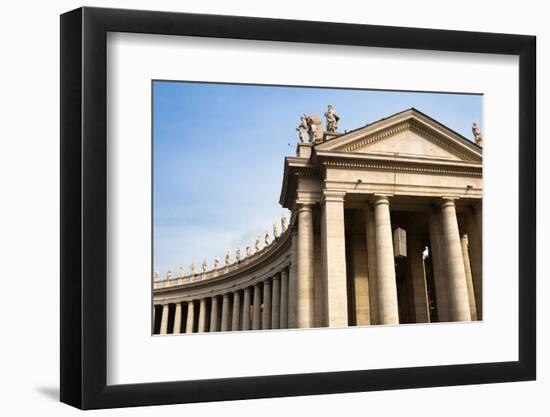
{"points": [[335, 264]]}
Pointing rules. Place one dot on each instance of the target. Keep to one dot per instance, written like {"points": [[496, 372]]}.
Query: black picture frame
{"points": [[84, 179]]}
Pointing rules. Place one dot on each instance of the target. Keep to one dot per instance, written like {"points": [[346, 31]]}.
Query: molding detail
{"points": [[388, 166]]}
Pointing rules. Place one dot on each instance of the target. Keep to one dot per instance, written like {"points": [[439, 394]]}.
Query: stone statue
{"points": [[156, 276], [227, 258], [257, 244], [217, 263], [332, 119], [303, 129], [238, 255], [169, 274], [477, 134], [316, 131], [276, 233], [284, 224], [248, 251], [204, 266], [181, 272], [267, 239], [192, 268]]}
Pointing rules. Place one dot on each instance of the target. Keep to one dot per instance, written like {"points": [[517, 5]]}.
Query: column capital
{"points": [[446, 201], [333, 196], [381, 199], [304, 205]]}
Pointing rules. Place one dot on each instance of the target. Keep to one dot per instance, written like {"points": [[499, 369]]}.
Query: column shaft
{"points": [[457, 290], [266, 313], [153, 322], [385, 263], [334, 259], [202, 316], [304, 278], [190, 317], [276, 302], [246, 309], [214, 315], [418, 278], [284, 299], [177, 319], [469, 281], [292, 283], [257, 308], [360, 270], [164, 319], [236, 316], [475, 245], [225, 313], [439, 267], [371, 261]]}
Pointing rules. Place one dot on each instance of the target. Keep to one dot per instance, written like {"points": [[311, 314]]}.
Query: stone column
{"points": [[190, 317], [371, 263], [225, 313], [284, 299], [177, 319], [235, 323], [360, 269], [334, 258], [266, 313], [202, 316], [214, 315], [475, 246], [459, 307], [276, 302], [246, 309], [304, 278], [292, 284], [257, 308], [385, 263], [418, 278], [469, 281], [439, 267], [164, 319], [153, 322]]}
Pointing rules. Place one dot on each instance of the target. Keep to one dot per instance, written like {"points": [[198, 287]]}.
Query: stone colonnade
{"points": [[261, 306], [455, 253], [313, 288]]}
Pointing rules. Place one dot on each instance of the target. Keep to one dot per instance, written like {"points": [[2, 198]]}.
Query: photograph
{"points": [[293, 207]]}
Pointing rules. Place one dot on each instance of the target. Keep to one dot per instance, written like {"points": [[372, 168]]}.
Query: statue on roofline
{"points": [[238, 255], [284, 224], [477, 134], [332, 119], [303, 129], [276, 233]]}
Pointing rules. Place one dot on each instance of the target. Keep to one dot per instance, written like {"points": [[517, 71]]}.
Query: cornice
{"points": [[412, 167]]}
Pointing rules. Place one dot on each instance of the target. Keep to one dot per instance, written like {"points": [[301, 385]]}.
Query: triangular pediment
{"points": [[406, 134]]}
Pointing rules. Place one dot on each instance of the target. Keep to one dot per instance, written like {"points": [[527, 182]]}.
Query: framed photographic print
{"points": [[259, 208]]}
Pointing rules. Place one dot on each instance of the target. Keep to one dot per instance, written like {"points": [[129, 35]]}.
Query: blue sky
{"points": [[219, 152]]}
